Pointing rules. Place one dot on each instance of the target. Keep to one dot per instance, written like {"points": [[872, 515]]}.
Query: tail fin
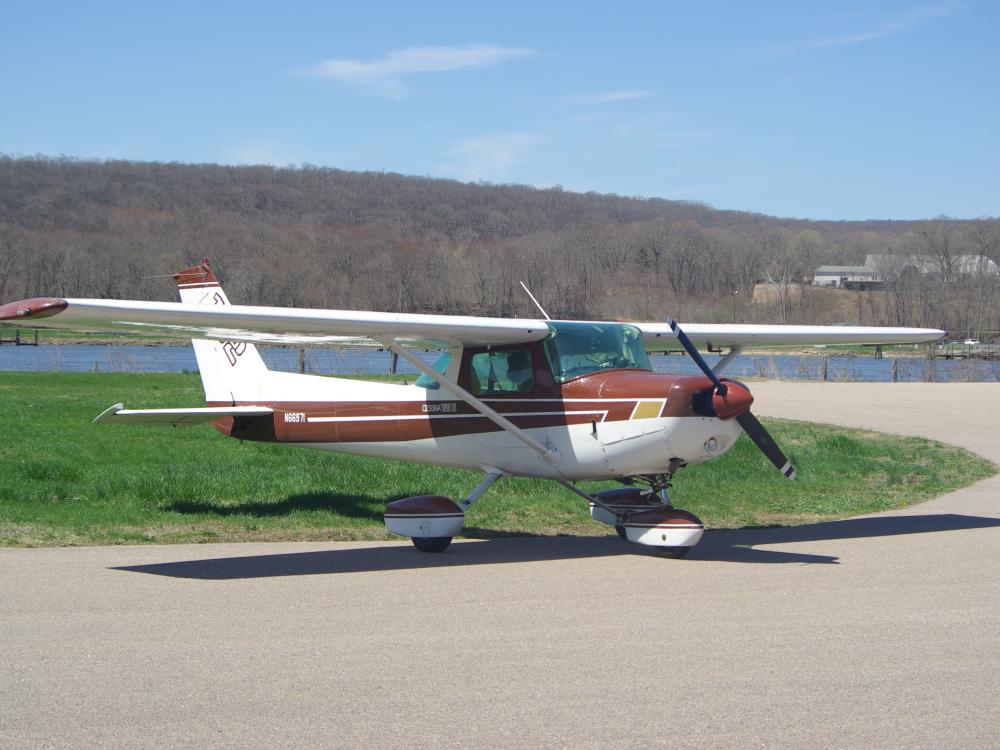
{"points": [[231, 371]]}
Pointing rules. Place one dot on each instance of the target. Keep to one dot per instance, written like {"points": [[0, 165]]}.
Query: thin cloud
{"points": [[890, 28], [386, 75], [492, 157], [611, 96]]}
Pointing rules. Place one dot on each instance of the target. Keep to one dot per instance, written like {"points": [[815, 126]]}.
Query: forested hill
{"points": [[331, 238]]}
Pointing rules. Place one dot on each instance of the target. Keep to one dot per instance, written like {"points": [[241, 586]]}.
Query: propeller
{"points": [[750, 424], [720, 387]]}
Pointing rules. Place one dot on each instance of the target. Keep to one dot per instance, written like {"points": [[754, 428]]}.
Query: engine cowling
{"points": [[737, 400]]}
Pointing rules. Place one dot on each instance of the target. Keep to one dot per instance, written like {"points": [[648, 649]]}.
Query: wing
{"points": [[303, 327], [657, 337], [117, 414], [274, 325]]}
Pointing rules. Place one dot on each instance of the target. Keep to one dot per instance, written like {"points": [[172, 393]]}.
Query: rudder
{"points": [[231, 371]]}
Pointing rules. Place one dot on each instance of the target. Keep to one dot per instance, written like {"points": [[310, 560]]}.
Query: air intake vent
{"points": [[702, 404]]}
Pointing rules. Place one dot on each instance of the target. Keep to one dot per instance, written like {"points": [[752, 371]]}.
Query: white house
{"points": [[849, 277], [872, 274]]}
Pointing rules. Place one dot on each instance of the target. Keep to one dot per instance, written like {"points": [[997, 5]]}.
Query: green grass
{"points": [[66, 481]]}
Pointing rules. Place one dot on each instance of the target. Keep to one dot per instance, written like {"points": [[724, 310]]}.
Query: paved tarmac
{"points": [[875, 632]]}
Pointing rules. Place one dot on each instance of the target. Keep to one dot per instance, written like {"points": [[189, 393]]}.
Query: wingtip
{"points": [[108, 413], [26, 310]]}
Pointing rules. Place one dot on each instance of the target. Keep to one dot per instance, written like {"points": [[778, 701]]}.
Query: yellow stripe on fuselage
{"points": [[647, 410]]}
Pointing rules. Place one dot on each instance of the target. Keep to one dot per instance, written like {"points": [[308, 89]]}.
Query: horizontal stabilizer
{"points": [[117, 414]]}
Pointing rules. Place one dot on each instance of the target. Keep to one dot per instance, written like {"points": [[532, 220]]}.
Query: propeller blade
{"points": [[690, 348], [763, 440]]}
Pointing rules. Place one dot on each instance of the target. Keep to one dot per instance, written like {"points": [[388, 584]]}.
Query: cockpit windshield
{"points": [[576, 349]]}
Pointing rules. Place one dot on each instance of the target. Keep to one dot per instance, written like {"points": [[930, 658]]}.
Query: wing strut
{"points": [[454, 388], [723, 363]]}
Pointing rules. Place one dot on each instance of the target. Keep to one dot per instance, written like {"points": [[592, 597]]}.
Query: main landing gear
{"points": [[431, 521], [641, 515]]}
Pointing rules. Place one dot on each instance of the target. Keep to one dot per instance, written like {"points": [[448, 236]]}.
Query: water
{"points": [[84, 358], [839, 369], [125, 358]]}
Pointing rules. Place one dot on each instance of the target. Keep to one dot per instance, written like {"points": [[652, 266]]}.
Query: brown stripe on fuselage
{"points": [[609, 396], [382, 427]]}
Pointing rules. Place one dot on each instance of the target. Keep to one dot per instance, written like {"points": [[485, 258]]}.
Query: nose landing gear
{"points": [[645, 516]]}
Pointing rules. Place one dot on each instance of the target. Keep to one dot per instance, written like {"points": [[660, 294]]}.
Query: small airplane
{"points": [[554, 399]]}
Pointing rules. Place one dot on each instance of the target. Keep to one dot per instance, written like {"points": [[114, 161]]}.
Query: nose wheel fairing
{"points": [[665, 526], [645, 516]]}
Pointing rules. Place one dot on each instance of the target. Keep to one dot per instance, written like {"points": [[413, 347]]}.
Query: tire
{"points": [[621, 532], [431, 543]]}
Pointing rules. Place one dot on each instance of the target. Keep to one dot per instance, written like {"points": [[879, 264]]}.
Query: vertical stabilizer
{"points": [[231, 371]]}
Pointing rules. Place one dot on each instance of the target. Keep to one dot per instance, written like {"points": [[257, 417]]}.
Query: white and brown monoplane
{"points": [[560, 400]]}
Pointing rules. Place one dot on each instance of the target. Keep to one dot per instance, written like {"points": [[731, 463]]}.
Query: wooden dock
{"points": [[17, 339], [960, 350]]}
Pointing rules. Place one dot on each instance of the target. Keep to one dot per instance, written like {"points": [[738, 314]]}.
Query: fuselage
{"points": [[608, 423]]}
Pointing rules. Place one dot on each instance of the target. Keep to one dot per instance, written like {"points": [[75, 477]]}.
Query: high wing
{"points": [[657, 337], [118, 414], [311, 327], [271, 325]]}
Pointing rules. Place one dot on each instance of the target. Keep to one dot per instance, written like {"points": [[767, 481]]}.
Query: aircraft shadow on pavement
{"points": [[738, 545], [350, 506]]}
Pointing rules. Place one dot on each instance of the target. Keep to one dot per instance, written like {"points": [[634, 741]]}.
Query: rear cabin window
{"points": [[509, 371], [576, 349], [441, 366]]}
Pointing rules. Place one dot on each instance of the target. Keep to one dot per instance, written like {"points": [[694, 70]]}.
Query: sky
{"points": [[843, 110]]}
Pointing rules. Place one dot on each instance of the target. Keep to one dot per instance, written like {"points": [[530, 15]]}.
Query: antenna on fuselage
{"points": [[540, 308]]}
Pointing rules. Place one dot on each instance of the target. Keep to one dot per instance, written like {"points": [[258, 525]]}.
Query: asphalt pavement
{"points": [[881, 631]]}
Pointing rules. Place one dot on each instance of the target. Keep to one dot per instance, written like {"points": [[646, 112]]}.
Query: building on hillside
{"points": [[877, 268], [848, 277]]}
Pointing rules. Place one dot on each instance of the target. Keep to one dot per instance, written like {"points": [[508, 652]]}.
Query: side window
{"points": [[508, 371], [440, 365]]}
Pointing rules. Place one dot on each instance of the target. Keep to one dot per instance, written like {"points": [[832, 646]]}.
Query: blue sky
{"points": [[849, 110]]}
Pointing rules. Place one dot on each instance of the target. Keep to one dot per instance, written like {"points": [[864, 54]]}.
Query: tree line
{"points": [[318, 237]]}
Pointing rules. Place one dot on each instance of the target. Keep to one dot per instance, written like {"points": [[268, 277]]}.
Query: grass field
{"points": [[66, 481]]}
